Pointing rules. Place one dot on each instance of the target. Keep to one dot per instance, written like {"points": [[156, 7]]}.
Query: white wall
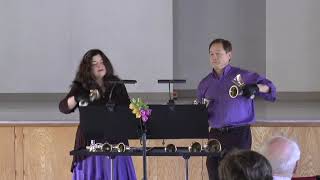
{"points": [[42, 42], [279, 38], [40, 48], [293, 44], [190, 42], [197, 23]]}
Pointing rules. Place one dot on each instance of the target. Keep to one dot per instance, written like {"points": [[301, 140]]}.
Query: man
{"points": [[283, 155], [230, 118], [245, 164]]}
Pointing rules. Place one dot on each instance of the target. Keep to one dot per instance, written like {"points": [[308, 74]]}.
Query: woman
{"points": [[95, 71]]}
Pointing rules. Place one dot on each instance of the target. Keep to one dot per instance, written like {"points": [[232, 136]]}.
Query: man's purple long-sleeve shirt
{"points": [[224, 110]]}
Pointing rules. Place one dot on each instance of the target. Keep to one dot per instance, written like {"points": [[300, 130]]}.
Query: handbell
{"points": [[92, 146], [236, 89], [94, 95], [99, 147], [83, 103], [170, 148], [195, 147], [121, 147], [213, 145], [204, 101], [106, 147]]}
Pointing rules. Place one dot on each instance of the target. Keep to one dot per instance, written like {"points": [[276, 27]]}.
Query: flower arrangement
{"points": [[140, 109]]}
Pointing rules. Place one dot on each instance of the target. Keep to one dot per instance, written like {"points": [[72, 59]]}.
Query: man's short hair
{"points": [[227, 46], [282, 154], [245, 165]]}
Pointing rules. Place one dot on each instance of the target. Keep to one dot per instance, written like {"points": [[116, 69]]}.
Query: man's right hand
{"points": [[250, 90]]}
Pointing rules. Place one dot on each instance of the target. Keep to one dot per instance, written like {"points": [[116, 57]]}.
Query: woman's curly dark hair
{"points": [[84, 75]]}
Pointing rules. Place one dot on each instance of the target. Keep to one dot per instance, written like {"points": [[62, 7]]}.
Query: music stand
{"points": [[98, 123], [178, 122], [166, 122], [110, 104], [95, 120], [171, 81]]}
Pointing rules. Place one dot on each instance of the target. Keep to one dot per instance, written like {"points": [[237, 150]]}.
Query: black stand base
{"points": [[144, 154], [186, 163]]}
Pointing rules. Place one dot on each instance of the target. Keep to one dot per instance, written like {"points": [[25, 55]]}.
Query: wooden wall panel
{"points": [[46, 152], [137, 161], [7, 158], [19, 152], [43, 153]]}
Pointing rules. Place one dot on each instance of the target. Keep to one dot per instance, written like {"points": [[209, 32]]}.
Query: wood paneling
{"points": [[19, 152], [43, 153], [46, 152], [7, 157]]}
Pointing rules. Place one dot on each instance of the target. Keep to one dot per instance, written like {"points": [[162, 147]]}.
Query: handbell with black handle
{"points": [[239, 88]]}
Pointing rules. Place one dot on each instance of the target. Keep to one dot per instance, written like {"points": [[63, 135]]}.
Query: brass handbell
{"points": [[106, 147], [95, 147], [170, 148], [236, 89], [195, 147], [83, 103], [204, 101], [121, 147], [94, 95], [213, 145]]}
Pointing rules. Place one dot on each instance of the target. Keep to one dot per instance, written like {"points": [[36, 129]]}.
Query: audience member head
{"points": [[283, 155], [245, 165]]}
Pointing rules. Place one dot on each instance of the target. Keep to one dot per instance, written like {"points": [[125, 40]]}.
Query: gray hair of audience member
{"points": [[283, 155], [245, 165]]}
